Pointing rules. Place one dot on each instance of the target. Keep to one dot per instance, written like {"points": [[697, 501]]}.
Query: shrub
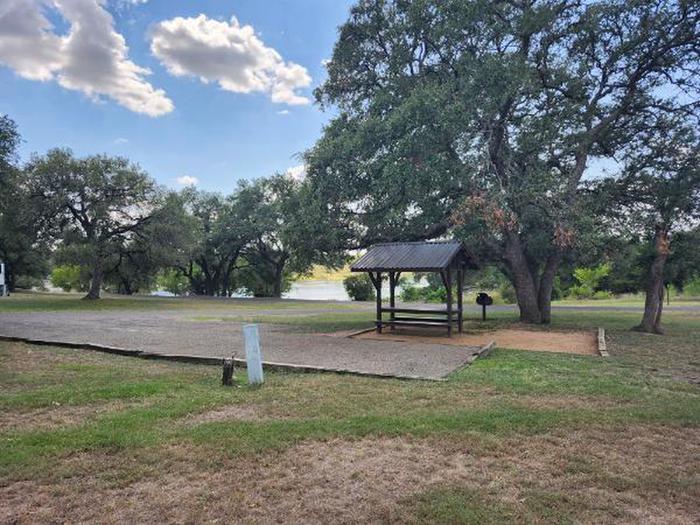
{"points": [[437, 295], [28, 282], [508, 294], [173, 281], [581, 291], [68, 277], [591, 277], [589, 281], [359, 287], [692, 288], [412, 294]]}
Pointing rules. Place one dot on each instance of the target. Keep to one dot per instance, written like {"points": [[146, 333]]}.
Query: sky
{"points": [[203, 92]]}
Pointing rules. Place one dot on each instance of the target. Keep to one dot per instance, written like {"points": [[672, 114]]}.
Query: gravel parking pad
{"points": [[175, 333]]}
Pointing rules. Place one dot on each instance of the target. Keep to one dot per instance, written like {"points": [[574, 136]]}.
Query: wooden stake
{"points": [[227, 378]]}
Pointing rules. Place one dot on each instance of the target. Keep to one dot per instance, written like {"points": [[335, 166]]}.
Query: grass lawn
{"points": [[40, 302], [518, 436]]}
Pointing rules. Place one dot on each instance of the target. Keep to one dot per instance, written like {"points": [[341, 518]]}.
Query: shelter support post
{"points": [[447, 278], [460, 300], [378, 286], [392, 298]]}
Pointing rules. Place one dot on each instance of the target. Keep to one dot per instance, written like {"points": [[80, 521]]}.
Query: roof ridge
{"points": [[394, 243], [410, 256]]}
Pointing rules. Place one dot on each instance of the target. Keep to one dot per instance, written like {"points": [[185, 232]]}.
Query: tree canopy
{"points": [[482, 117], [656, 197], [100, 204], [24, 239]]}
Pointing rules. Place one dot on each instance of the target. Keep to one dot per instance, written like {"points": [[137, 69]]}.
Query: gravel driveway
{"points": [[176, 333]]}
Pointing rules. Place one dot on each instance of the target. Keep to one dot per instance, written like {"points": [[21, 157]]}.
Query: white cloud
{"points": [[92, 57], [297, 172], [187, 180], [230, 54], [121, 140], [283, 112], [122, 5]]}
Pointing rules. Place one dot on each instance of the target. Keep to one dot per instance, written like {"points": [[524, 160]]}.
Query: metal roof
{"points": [[411, 256]]}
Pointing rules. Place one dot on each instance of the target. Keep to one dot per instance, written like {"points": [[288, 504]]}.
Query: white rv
{"points": [[3, 286]]}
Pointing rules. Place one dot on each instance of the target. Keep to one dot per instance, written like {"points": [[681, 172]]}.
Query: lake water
{"points": [[315, 291], [325, 291], [318, 290]]}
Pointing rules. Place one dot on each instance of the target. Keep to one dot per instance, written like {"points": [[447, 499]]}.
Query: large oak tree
{"points": [[656, 198], [482, 117], [99, 204], [24, 238]]}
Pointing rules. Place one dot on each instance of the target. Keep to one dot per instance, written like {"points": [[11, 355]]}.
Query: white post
{"points": [[252, 354]]}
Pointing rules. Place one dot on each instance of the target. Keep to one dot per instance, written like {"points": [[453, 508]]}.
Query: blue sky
{"points": [[247, 128]]}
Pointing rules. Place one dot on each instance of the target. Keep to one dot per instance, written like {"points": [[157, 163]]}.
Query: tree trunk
{"points": [[126, 287], [533, 291], [525, 288], [277, 285], [96, 278], [544, 294], [654, 301]]}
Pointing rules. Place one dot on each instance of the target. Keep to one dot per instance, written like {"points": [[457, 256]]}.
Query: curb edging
{"points": [[209, 360]]}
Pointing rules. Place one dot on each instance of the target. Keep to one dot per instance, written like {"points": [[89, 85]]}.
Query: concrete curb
{"points": [[360, 332], [484, 350], [481, 352], [602, 346], [208, 360]]}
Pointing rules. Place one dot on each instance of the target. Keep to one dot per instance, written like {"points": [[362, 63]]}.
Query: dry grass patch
{"points": [[229, 413], [639, 474], [56, 416], [38, 362]]}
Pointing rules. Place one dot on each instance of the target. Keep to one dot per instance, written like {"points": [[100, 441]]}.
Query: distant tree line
{"points": [[101, 222]]}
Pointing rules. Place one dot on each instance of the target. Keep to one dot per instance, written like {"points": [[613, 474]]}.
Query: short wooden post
{"points": [[227, 378], [253, 356]]}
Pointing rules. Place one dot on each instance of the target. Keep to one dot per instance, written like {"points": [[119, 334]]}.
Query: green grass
{"points": [[627, 300], [485, 398], [48, 302], [30, 302], [121, 406], [458, 505]]}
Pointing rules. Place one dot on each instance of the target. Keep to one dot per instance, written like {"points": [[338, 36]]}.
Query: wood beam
{"points": [[460, 300], [378, 286], [448, 288], [392, 296]]}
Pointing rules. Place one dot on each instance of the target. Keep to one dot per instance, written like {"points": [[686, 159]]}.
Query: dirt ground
{"points": [[573, 342]]}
